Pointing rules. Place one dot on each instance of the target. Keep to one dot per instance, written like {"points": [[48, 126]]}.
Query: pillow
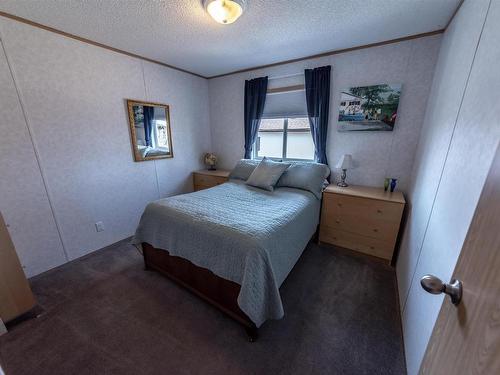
{"points": [[244, 169], [305, 176], [267, 174]]}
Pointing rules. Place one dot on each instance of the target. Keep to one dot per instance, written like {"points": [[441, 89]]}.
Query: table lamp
{"points": [[344, 163]]}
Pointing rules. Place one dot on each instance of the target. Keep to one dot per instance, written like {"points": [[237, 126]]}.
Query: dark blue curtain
{"points": [[255, 98], [148, 123], [318, 107]]}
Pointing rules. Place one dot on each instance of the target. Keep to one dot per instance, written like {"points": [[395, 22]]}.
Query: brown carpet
{"points": [[103, 314]]}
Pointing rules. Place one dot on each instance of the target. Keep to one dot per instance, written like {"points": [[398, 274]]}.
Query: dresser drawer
{"points": [[363, 244], [207, 180], [337, 205], [369, 227]]}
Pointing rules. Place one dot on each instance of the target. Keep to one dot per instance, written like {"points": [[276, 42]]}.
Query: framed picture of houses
{"points": [[369, 108]]}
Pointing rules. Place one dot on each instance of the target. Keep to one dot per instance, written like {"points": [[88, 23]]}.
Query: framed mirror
{"points": [[149, 130]]}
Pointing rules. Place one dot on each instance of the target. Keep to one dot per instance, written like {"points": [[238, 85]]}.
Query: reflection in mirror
{"points": [[150, 130]]}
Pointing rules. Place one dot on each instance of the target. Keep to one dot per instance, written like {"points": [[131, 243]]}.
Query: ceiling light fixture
{"points": [[225, 11]]}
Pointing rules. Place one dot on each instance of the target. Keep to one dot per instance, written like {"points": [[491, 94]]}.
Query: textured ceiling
{"points": [[182, 34]]}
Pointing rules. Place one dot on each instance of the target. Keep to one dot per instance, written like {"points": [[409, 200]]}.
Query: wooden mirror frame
{"points": [[133, 136]]}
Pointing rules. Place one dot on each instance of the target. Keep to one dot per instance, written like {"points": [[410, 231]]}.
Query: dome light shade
{"points": [[225, 11]]}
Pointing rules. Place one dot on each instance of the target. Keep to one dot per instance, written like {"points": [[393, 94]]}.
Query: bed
{"points": [[232, 244]]}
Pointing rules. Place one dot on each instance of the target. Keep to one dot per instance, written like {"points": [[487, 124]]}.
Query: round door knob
{"points": [[434, 285]]}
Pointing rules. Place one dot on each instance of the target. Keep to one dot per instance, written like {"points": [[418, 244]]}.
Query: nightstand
{"points": [[205, 179], [362, 218]]}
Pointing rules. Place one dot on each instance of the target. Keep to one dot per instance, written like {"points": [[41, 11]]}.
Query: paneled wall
{"points": [[66, 159], [23, 199], [376, 154], [459, 138]]}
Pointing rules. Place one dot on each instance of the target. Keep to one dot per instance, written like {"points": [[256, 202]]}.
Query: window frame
{"points": [[285, 138]]}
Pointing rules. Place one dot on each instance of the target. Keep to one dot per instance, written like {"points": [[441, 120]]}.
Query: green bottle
{"points": [[386, 183]]}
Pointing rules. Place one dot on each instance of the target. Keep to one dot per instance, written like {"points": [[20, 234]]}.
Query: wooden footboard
{"points": [[217, 291]]}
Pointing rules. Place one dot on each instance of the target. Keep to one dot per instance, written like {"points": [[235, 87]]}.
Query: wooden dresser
{"points": [[205, 179], [361, 218], [15, 293]]}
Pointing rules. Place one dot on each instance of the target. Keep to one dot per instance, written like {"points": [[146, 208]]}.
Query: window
{"points": [[285, 138], [161, 133]]}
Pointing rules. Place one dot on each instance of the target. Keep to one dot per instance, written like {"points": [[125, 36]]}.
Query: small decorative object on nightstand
{"points": [[361, 218], [344, 163], [387, 181], [210, 161], [393, 184], [206, 179]]}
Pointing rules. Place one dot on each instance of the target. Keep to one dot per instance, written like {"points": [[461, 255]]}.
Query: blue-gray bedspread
{"points": [[241, 233]]}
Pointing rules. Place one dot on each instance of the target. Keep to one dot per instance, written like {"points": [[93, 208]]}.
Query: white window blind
{"points": [[285, 104]]}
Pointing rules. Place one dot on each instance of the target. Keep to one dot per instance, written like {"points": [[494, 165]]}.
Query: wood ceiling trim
{"points": [[323, 54], [92, 42], [335, 52]]}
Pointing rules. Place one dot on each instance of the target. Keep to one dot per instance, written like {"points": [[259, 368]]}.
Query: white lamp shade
{"points": [[345, 162]]}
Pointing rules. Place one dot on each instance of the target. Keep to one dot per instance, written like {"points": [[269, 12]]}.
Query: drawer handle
{"points": [[337, 221], [375, 230], [372, 247], [339, 204], [379, 211]]}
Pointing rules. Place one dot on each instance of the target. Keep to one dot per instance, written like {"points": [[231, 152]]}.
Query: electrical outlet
{"points": [[99, 226]]}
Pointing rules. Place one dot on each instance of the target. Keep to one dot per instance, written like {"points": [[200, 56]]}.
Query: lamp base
{"points": [[343, 176]]}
